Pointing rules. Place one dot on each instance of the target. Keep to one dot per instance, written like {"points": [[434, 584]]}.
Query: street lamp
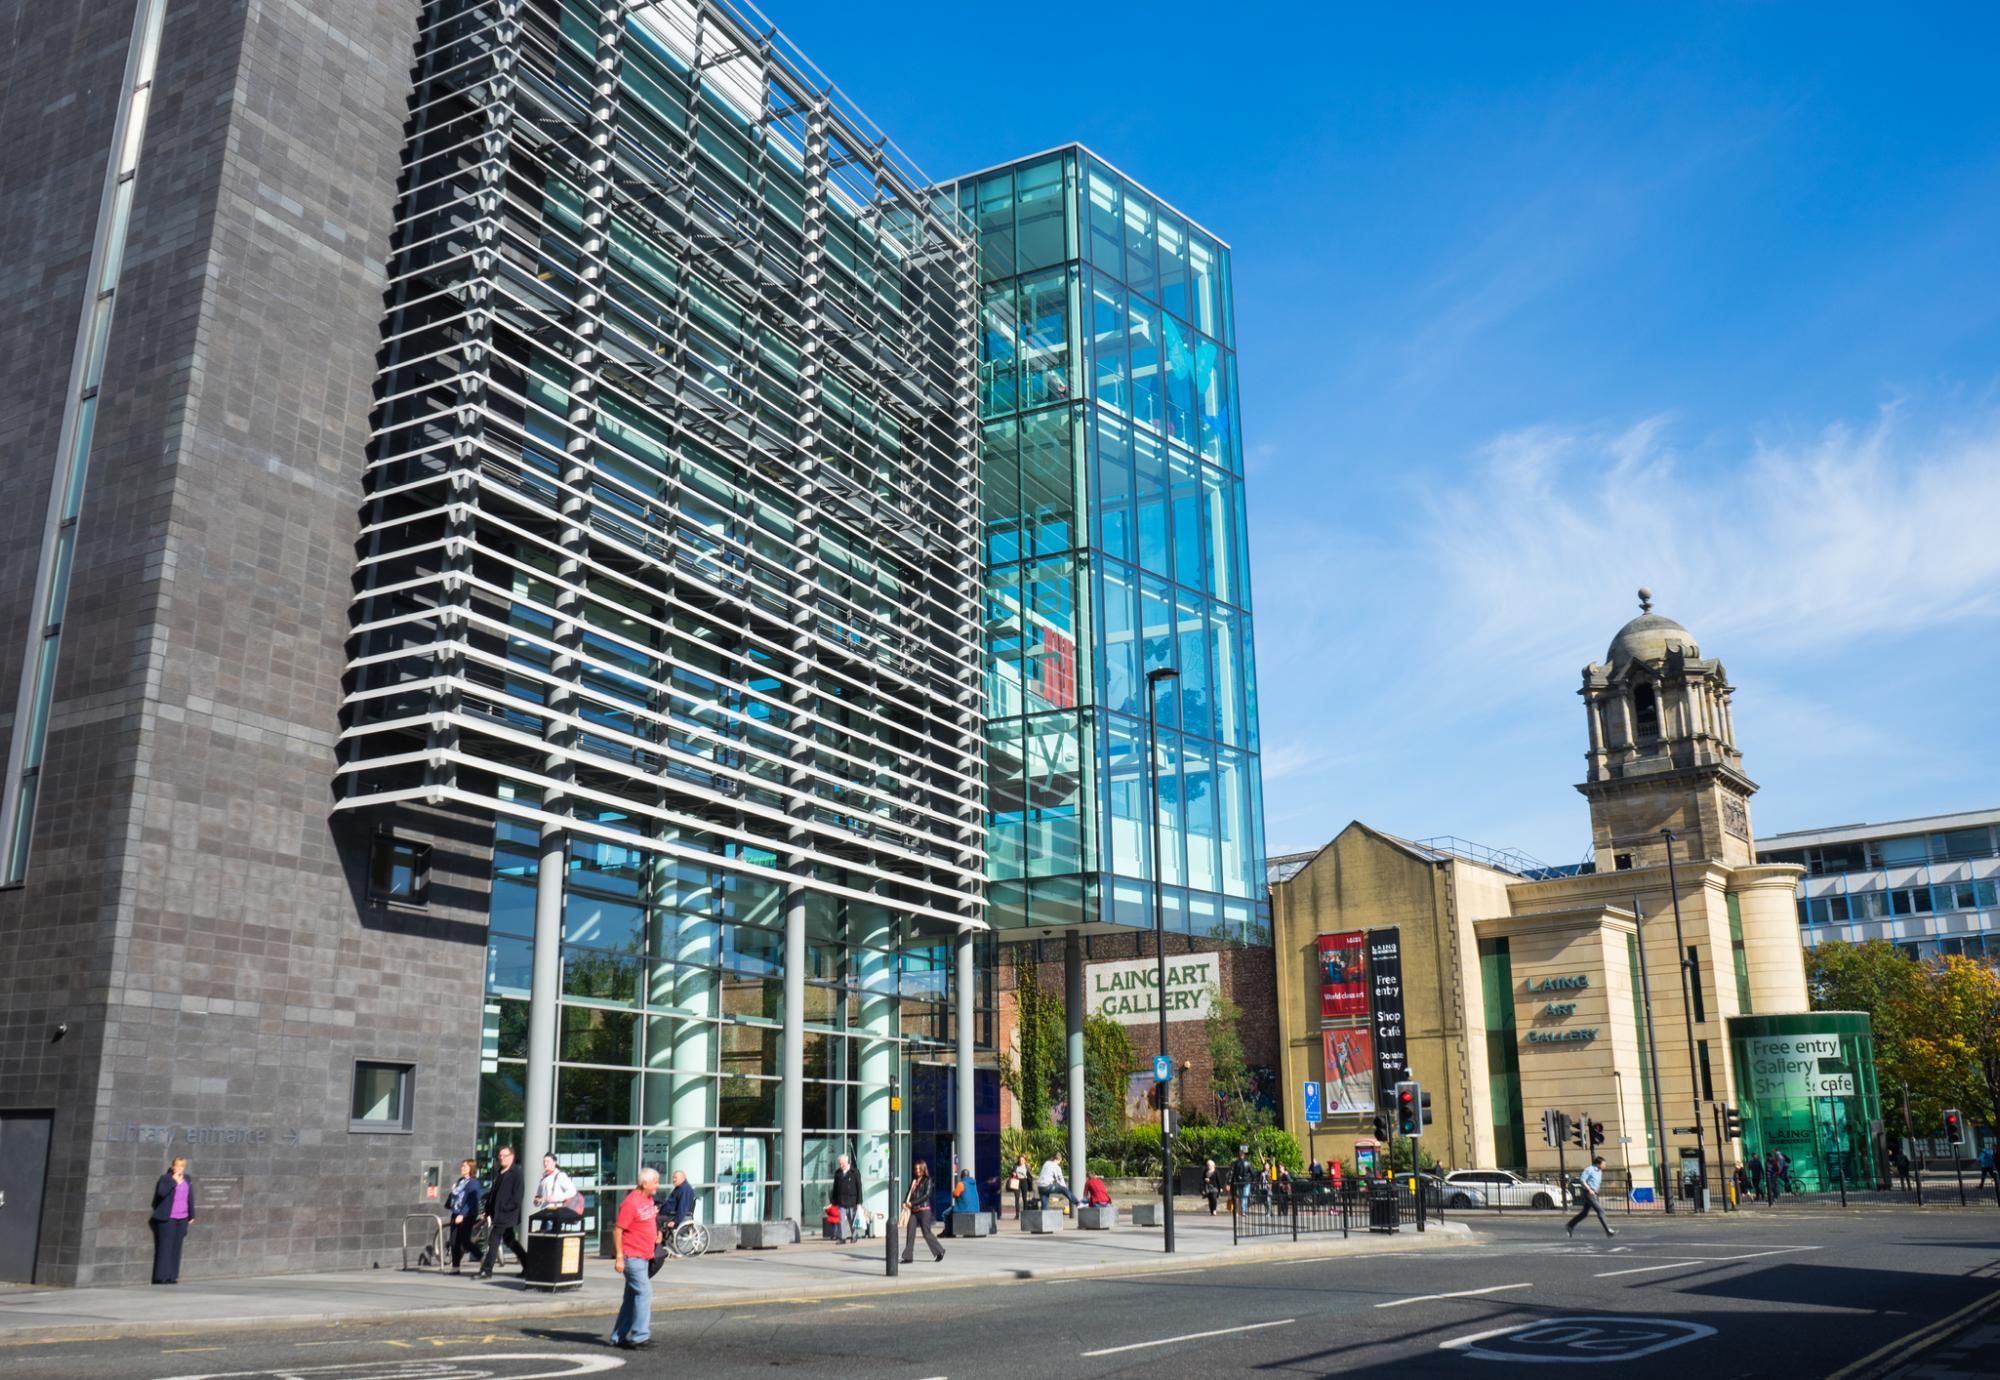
{"points": [[1687, 1016], [1660, 1179], [1154, 678]]}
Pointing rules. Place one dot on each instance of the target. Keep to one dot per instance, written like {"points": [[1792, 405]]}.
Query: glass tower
{"points": [[1111, 468]]}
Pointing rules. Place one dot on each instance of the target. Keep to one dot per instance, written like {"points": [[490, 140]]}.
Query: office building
{"points": [[1508, 989], [1929, 886], [493, 624]]}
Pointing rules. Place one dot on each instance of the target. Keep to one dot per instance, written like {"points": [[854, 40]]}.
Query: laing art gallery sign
{"points": [[1128, 991]]}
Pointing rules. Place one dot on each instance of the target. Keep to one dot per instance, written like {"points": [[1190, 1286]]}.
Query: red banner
{"points": [[1343, 976]]}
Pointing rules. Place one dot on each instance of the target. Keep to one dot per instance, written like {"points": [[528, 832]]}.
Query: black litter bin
{"points": [[1383, 1206], [555, 1251]]}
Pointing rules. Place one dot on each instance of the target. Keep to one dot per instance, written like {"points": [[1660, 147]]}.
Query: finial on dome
{"points": [[1645, 599]]}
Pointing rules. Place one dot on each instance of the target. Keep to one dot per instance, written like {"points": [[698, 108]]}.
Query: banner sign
{"points": [[1343, 977], [1350, 1069], [1128, 991], [1385, 1001]]}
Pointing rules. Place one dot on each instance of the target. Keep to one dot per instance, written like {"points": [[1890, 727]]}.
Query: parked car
{"points": [[1454, 1194], [1504, 1188]]}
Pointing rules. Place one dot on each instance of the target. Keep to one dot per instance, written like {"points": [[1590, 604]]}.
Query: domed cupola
{"points": [[1661, 733]]}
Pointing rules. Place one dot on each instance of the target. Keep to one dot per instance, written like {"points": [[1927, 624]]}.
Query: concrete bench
{"points": [[1146, 1214], [1096, 1218], [767, 1236], [974, 1223], [1042, 1221]]}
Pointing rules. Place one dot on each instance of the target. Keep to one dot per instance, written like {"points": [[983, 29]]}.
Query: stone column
{"points": [[967, 1023], [544, 993]]}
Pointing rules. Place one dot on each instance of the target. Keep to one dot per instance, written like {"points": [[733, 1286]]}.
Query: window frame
{"points": [[405, 1123]]}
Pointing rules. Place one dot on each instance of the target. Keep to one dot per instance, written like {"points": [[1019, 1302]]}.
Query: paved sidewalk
{"points": [[814, 1270]]}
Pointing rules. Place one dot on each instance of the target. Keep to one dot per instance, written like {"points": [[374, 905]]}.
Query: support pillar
{"points": [[967, 1024], [792, 1065], [544, 997], [1073, 1014]]}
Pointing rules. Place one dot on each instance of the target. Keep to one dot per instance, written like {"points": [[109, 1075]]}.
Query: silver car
{"points": [[1504, 1188]]}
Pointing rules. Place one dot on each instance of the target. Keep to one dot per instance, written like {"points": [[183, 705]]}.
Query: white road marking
{"points": [[1459, 1294], [1189, 1337], [1590, 1339], [1647, 1269], [469, 1368]]}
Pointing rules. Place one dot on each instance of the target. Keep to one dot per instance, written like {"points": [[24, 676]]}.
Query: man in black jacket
{"points": [[847, 1197], [503, 1212]]}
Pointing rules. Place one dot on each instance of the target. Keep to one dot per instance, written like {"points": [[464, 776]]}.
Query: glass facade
{"points": [[670, 571], [1114, 544], [1807, 1086]]}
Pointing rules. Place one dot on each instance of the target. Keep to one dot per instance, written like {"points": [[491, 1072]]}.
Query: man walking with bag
{"points": [[634, 1238], [846, 1199], [1591, 1180]]}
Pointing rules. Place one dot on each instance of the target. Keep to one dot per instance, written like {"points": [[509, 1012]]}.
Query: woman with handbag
{"points": [[917, 1214], [1021, 1181]]}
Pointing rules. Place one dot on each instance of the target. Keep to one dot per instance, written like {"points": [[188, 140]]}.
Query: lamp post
{"points": [[1652, 1057], [1687, 1015], [1153, 679]]}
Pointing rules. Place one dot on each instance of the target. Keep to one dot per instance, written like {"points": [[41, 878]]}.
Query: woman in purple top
{"points": [[173, 1209]]}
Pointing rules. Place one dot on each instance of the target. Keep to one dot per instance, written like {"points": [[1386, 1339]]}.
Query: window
{"points": [[1707, 1084], [382, 1097], [399, 870], [1694, 983], [1645, 712], [1622, 861]]}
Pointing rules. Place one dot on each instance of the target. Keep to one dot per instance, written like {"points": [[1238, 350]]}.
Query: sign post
{"points": [[1312, 1120], [891, 1218]]}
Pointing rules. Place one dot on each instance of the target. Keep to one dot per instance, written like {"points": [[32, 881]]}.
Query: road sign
{"points": [[1312, 1103], [1687, 1130], [1163, 1068]]}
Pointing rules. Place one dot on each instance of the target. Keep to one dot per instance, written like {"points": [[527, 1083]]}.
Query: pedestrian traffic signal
{"points": [[1409, 1111], [1732, 1123], [1954, 1127], [1381, 1128], [1576, 1132], [1424, 1101], [1596, 1134]]}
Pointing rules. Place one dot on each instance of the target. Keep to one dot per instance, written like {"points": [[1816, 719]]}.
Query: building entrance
{"points": [[24, 1169]]}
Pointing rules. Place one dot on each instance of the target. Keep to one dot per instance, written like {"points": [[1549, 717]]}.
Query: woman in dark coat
{"points": [[917, 1213], [173, 1210]]}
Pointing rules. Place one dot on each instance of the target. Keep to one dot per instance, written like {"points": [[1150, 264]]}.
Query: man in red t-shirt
{"points": [[633, 1240]]}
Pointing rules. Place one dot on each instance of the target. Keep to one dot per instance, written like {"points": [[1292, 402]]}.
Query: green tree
{"points": [[1893, 989], [1964, 996], [1229, 1072]]}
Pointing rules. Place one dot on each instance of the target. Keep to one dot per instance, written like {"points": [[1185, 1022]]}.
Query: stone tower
{"points": [[1663, 750]]}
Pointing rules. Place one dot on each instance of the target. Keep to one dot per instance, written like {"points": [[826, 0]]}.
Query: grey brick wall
{"points": [[194, 910]]}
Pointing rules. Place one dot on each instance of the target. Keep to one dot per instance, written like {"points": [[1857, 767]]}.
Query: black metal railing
{"points": [[1319, 1209]]}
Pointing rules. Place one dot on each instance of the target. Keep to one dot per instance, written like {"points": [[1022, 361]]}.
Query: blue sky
{"points": [[1536, 306]]}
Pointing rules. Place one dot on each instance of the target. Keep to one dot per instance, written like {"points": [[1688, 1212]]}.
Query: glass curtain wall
{"points": [[1113, 520]]}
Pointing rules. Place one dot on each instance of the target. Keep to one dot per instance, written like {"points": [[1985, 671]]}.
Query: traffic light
{"points": [[1409, 1111], [1381, 1128], [1156, 1096], [1954, 1127], [1596, 1134], [1732, 1123], [1576, 1133], [1424, 1101], [1555, 1127]]}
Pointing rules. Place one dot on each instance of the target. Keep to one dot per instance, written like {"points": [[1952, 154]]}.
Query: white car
{"points": [[1504, 1188]]}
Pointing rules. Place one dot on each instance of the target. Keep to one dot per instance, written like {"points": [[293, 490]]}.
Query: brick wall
{"points": [[1248, 978]]}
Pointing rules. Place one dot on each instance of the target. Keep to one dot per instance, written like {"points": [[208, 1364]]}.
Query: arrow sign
{"points": [[1312, 1103], [1163, 1068]]}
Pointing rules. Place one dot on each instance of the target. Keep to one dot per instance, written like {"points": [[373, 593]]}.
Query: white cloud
{"points": [[1426, 666]]}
